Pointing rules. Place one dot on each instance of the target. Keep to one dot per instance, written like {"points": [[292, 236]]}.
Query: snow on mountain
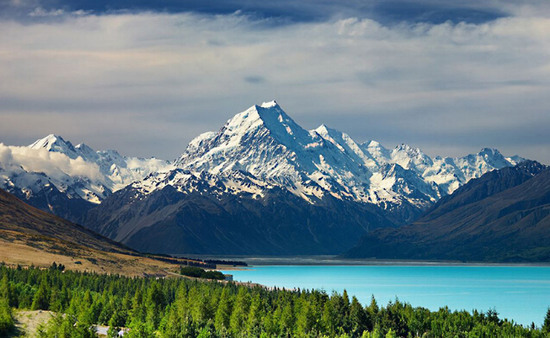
{"points": [[257, 149], [265, 142], [57, 144], [348, 146], [187, 182], [76, 171]]}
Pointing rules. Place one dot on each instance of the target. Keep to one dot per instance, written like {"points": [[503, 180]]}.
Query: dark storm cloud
{"points": [[279, 12]]}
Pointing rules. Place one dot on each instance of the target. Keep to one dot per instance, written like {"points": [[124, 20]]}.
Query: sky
{"points": [[147, 76]]}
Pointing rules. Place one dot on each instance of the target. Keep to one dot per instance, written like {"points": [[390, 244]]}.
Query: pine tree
{"points": [[41, 298], [223, 313], [287, 318], [6, 317], [305, 319], [372, 314], [255, 315], [329, 319], [546, 325], [357, 316], [200, 311], [154, 304], [138, 312], [238, 318], [7, 292]]}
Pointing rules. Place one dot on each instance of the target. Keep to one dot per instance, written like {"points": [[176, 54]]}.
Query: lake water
{"points": [[519, 293]]}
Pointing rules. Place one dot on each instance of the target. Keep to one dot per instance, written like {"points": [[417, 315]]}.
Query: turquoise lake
{"points": [[519, 293]]}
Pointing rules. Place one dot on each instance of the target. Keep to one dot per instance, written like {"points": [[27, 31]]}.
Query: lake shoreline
{"points": [[255, 260]]}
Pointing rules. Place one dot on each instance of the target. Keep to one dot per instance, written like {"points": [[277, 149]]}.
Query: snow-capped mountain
{"points": [[261, 184], [56, 176], [116, 170], [264, 185], [265, 142]]}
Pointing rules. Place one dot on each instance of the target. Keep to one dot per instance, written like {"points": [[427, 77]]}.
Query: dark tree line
{"points": [[193, 271], [177, 307]]}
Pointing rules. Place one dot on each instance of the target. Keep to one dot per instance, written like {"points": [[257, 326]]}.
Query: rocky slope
{"points": [[502, 216]]}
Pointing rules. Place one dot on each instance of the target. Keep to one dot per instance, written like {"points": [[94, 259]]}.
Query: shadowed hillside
{"points": [[504, 216], [29, 236]]}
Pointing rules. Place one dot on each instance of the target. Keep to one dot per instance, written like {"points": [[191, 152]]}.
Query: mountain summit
{"points": [[262, 184], [57, 144], [265, 142]]}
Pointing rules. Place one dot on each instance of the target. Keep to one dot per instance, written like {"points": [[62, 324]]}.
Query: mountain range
{"points": [[55, 176], [504, 216], [260, 185]]}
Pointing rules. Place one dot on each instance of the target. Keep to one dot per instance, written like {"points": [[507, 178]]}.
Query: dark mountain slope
{"points": [[168, 221], [504, 216], [50, 199]]}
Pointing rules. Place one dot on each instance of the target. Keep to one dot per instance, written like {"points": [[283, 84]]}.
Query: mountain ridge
{"points": [[504, 216], [32, 237], [337, 158], [261, 157], [258, 156], [55, 176]]}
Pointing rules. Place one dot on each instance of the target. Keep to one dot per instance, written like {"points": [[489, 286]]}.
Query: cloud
{"points": [[5, 155], [41, 12], [284, 12], [147, 82], [55, 165]]}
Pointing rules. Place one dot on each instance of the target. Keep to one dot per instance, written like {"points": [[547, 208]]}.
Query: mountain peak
{"points": [[55, 143], [323, 130], [270, 104], [408, 149], [271, 116], [46, 142], [489, 151], [493, 156]]}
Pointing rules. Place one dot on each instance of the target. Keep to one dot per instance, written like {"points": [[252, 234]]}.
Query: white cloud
{"points": [[55, 165], [41, 12], [147, 83]]}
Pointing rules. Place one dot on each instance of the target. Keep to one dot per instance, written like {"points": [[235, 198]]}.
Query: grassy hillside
{"points": [[29, 236]]}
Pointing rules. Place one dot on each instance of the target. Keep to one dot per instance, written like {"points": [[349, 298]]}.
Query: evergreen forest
{"points": [[181, 307]]}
